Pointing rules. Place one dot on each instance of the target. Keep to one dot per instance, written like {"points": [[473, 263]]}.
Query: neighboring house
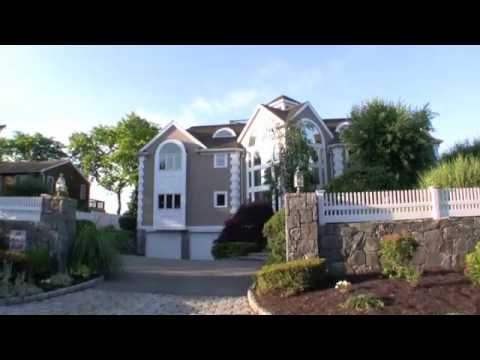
{"points": [[12, 173], [2, 127], [192, 180]]}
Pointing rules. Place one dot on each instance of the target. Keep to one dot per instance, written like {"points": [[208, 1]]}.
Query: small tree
{"points": [[294, 152]]}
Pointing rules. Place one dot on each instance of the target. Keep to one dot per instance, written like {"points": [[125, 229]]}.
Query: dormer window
{"points": [[224, 133], [251, 141], [170, 157]]}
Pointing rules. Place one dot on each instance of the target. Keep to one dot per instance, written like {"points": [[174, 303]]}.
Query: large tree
{"points": [[25, 147], [391, 136], [109, 154]]}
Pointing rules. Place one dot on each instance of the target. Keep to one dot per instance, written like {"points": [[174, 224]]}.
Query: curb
{"points": [[51, 294], [254, 305]]}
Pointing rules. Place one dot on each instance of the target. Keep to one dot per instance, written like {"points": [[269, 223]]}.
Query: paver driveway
{"points": [[153, 286]]}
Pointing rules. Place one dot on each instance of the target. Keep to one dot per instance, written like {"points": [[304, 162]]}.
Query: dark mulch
{"points": [[438, 293]]}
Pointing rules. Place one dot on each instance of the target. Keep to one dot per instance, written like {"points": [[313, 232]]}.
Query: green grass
{"points": [[462, 171]]}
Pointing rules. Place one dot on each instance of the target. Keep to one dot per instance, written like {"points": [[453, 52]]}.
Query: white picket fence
{"points": [[27, 208], [397, 205], [23, 208]]}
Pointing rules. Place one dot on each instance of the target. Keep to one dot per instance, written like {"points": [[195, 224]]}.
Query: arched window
{"points": [[224, 133], [257, 160], [342, 127], [311, 131], [170, 157]]}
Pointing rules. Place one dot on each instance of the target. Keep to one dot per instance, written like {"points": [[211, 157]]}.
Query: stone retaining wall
{"points": [[353, 247]]}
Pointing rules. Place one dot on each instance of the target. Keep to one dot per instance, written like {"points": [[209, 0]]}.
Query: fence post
{"points": [[436, 206], [320, 201]]}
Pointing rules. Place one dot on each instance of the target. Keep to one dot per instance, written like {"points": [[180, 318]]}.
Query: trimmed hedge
{"points": [[247, 223], [274, 231], [290, 278], [472, 267], [233, 249]]}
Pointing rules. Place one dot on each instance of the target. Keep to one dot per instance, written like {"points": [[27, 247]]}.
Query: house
{"points": [[192, 180], [47, 173], [2, 127]]}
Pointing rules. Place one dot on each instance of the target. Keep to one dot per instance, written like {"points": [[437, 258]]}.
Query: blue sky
{"points": [[57, 90]]}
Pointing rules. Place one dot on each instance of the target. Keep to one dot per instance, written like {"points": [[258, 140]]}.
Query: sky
{"points": [[58, 90]]}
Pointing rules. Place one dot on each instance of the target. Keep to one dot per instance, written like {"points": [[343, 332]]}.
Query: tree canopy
{"points": [[25, 147], [109, 154], [391, 136]]}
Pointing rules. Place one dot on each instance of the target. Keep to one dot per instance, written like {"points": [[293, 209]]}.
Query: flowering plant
{"points": [[342, 285]]}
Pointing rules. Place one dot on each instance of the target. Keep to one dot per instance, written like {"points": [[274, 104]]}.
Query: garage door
{"points": [[166, 245], [201, 245]]}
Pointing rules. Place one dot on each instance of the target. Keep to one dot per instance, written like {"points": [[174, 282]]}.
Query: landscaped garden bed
{"points": [[437, 293]]}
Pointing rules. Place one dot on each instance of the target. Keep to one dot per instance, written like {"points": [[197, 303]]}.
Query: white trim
{"points": [[141, 173], [170, 188], [216, 156], [343, 124], [336, 145], [323, 162], [205, 228], [232, 133], [307, 104], [235, 185], [225, 194], [249, 122], [168, 126], [221, 150], [283, 101]]}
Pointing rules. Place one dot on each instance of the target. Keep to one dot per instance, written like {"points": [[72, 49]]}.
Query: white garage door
{"points": [[201, 245], [165, 245]]}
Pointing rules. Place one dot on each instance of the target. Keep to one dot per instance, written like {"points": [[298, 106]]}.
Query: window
{"points": [[169, 201], [170, 157], [311, 132], [251, 141], [50, 186], [220, 199], [249, 160], [83, 192], [220, 161], [249, 179], [224, 133], [257, 160], [257, 178]]}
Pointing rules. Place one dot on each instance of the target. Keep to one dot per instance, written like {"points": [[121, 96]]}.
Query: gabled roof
{"points": [[283, 97], [205, 135], [285, 115]]}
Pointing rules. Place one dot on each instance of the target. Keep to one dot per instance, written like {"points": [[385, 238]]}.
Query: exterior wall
{"points": [[202, 180]]}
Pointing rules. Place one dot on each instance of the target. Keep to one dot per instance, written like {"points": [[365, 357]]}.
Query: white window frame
{"points": [[230, 132], [216, 165], [215, 193]]}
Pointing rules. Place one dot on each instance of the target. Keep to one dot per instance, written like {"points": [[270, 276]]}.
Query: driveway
{"points": [[157, 287], [184, 277]]}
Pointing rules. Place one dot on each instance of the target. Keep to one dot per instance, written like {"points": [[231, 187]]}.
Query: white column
{"points": [[234, 181], [337, 161], [141, 171]]}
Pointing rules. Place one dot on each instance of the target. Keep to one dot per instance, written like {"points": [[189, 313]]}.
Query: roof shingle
{"points": [[28, 167]]}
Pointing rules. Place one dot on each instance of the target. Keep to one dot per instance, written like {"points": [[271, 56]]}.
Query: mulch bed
{"points": [[438, 293]]}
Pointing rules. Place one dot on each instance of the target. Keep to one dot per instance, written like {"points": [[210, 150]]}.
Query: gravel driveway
{"points": [[157, 287]]}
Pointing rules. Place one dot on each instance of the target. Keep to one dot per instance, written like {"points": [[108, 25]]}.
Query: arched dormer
{"points": [[341, 126], [224, 133]]}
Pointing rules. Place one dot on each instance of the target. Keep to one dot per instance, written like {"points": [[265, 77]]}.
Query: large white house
{"points": [[192, 180]]}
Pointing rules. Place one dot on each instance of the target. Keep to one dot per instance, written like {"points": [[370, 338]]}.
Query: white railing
{"points": [[101, 219], [397, 205], [22, 208]]}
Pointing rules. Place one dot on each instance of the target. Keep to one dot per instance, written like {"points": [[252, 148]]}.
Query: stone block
{"points": [[305, 215], [432, 240], [357, 241], [372, 243], [372, 260], [476, 222], [294, 234], [357, 258], [420, 256]]}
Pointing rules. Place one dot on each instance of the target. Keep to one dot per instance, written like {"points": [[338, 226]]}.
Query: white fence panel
{"points": [[21, 208], [460, 202], [99, 218]]}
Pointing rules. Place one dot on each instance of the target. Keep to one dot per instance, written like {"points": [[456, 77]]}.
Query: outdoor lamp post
{"points": [[298, 180]]}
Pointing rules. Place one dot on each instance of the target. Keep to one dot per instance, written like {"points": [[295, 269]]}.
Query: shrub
{"points": [[233, 249], [364, 179], [247, 224], [18, 260], [462, 171], [28, 187], [128, 223], [58, 280], [80, 224], [81, 272], [3, 240], [22, 288], [96, 249], [40, 264], [464, 148], [362, 302], [124, 240], [290, 278], [396, 252], [472, 265], [274, 231]]}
